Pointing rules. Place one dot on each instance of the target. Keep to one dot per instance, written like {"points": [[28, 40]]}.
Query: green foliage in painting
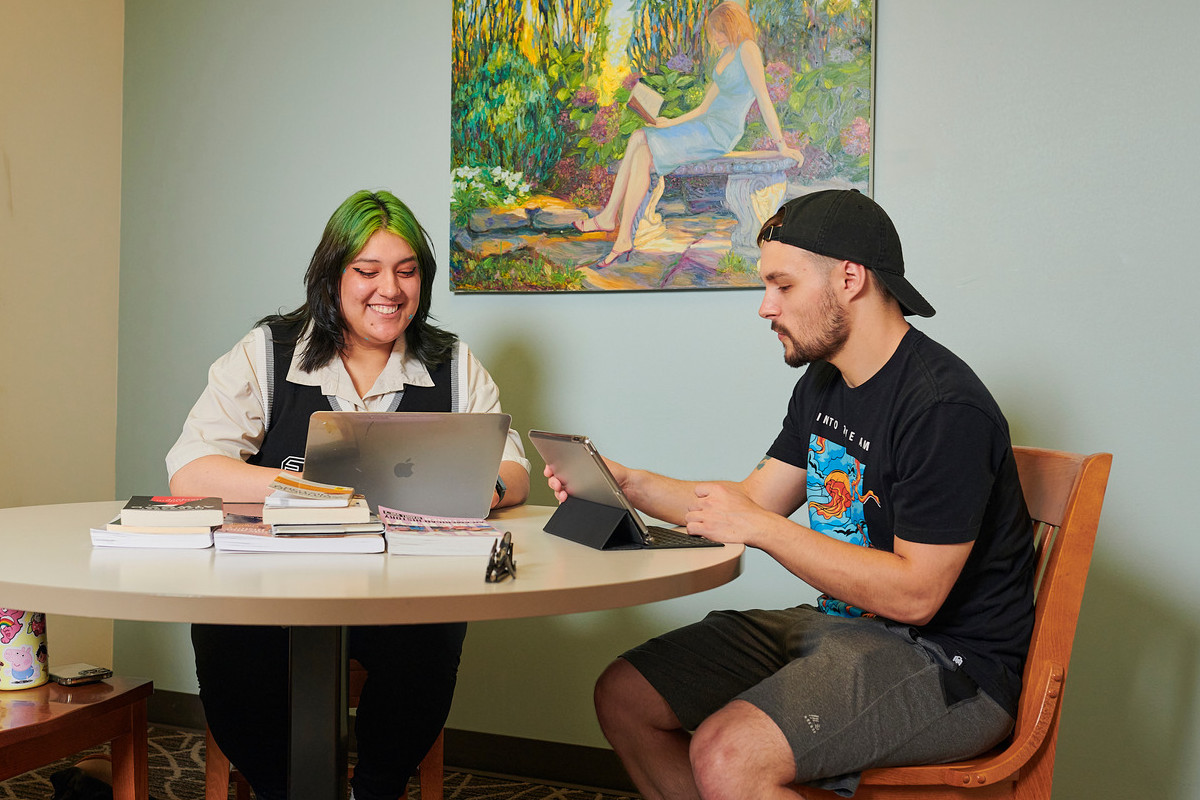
{"points": [[500, 117], [521, 271], [831, 105], [663, 29], [677, 88], [516, 65], [812, 31], [817, 57], [733, 264]]}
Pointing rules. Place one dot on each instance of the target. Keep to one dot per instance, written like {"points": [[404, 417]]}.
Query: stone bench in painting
{"points": [[755, 184]]}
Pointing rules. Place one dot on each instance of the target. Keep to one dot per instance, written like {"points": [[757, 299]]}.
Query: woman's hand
{"points": [[792, 153]]}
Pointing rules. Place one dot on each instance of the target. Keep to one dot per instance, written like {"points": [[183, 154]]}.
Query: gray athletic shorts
{"points": [[848, 693]]}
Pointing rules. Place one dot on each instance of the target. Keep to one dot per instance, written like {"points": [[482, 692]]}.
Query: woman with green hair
{"points": [[362, 341]]}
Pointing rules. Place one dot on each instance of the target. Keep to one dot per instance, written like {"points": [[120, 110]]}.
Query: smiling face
{"points": [[801, 305], [379, 291]]}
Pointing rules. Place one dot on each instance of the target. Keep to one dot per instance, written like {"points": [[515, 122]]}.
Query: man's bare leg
{"points": [[645, 733]]}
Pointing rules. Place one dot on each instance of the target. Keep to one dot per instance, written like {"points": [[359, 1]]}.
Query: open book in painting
{"points": [[645, 102]]}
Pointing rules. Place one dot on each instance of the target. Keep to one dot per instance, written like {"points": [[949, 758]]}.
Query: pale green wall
{"points": [[1037, 158]]}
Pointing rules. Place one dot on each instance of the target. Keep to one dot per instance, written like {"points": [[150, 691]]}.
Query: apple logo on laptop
{"points": [[404, 469]]}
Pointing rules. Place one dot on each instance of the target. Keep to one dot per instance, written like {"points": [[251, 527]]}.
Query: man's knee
{"points": [[737, 749], [613, 689], [623, 696]]}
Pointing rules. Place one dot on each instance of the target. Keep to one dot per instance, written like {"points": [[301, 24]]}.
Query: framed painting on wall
{"points": [[608, 145]]}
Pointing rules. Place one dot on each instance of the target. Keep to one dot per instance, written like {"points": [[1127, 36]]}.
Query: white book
{"points": [[374, 526], [159, 539], [357, 512], [250, 537]]}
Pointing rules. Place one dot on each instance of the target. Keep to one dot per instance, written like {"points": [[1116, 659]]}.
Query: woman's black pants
{"points": [[411, 672]]}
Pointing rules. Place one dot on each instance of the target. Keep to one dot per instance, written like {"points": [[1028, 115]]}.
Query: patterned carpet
{"points": [[177, 773]]}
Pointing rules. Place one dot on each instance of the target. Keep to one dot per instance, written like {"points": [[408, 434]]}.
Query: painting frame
{"points": [[545, 117]]}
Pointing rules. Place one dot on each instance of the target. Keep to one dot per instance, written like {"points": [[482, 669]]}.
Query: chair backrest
{"points": [[1064, 493]]}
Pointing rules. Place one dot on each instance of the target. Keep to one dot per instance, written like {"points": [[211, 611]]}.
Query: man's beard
{"points": [[822, 344]]}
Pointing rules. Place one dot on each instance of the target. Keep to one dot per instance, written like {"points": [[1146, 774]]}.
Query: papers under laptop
{"points": [[598, 513], [436, 464]]}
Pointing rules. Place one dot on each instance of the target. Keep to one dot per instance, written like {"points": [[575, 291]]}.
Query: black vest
{"points": [[291, 404]]}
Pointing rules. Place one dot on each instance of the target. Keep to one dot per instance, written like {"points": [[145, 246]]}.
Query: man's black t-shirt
{"points": [[921, 452]]}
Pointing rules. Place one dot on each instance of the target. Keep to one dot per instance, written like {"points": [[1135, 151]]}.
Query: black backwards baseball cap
{"points": [[848, 225]]}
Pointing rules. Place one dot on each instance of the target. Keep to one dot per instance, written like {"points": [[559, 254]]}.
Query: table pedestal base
{"points": [[317, 707]]}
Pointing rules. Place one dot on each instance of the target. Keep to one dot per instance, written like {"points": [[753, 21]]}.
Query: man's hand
{"points": [[556, 485], [619, 472], [724, 513]]}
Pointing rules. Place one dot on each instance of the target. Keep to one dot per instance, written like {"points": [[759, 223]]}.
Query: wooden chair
{"points": [[49, 722], [218, 772], [1064, 492]]}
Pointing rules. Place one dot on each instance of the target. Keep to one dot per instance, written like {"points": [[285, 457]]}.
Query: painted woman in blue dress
{"points": [[710, 129]]}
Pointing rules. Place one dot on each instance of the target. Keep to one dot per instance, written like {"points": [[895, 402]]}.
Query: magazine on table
{"points": [[422, 535]]}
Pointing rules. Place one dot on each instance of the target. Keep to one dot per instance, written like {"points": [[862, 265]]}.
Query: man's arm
{"points": [[779, 488], [659, 496], [908, 585]]}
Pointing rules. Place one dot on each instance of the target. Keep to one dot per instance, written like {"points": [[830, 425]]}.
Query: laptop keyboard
{"points": [[667, 537]]}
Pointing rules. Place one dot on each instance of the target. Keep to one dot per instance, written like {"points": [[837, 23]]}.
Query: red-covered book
{"points": [[163, 511]]}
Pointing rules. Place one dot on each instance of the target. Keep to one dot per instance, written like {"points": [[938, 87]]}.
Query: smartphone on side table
{"points": [[77, 674]]}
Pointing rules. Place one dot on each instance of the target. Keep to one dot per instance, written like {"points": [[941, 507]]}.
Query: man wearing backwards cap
{"points": [[915, 532]]}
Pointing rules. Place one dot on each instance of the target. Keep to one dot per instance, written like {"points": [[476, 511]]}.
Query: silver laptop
{"points": [[439, 464], [583, 473]]}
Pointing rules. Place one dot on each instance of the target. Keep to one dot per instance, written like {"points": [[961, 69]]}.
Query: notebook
{"points": [[585, 476], [438, 464]]}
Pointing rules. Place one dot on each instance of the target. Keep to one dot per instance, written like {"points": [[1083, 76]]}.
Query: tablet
{"points": [[583, 473]]}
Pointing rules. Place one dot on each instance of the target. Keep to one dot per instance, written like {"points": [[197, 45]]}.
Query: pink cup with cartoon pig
{"points": [[23, 659]]}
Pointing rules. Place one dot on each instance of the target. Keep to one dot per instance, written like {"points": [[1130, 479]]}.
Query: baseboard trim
{"points": [[177, 709], [534, 759]]}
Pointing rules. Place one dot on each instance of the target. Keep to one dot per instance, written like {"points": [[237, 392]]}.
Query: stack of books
{"points": [[159, 521], [420, 535], [304, 517]]}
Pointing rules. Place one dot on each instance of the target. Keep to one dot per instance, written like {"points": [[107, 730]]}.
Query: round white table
{"points": [[51, 566]]}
